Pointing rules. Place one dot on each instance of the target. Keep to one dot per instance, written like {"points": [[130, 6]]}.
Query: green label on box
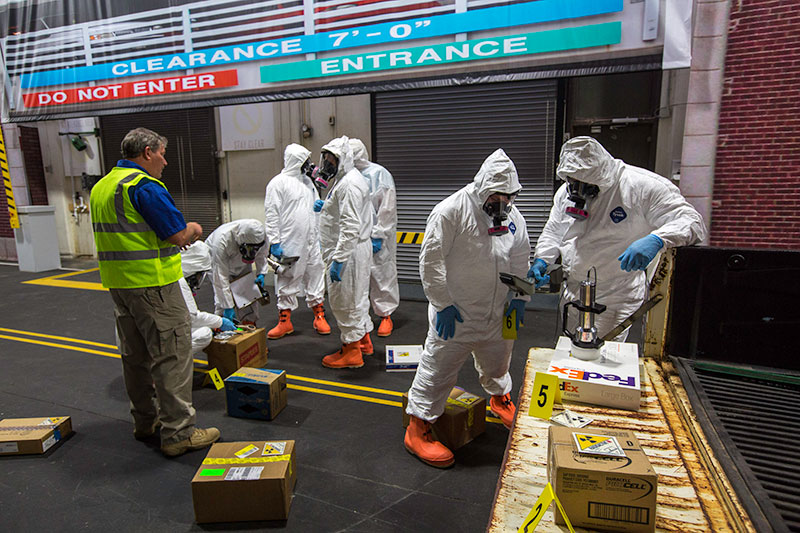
{"points": [[212, 472]]}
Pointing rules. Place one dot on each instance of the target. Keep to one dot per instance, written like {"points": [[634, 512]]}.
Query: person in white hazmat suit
{"points": [[470, 237], [384, 292], [292, 231], [344, 234], [235, 246], [613, 217], [196, 263]]}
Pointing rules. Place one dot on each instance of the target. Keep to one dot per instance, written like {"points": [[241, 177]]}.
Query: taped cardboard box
{"points": [[258, 393], [20, 436], [247, 349], [605, 492], [243, 481], [464, 418]]}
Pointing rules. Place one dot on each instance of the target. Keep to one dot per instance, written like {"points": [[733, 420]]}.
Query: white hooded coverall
{"points": [[345, 224], [197, 258], [227, 263], [384, 292], [632, 203], [460, 264], [292, 223]]}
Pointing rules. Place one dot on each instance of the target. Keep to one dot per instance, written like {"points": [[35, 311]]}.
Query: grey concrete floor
{"points": [[353, 473]]}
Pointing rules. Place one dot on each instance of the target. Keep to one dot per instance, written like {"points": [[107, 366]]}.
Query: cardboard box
{"points": [[19, 436], [598, 491], [258, 393], [612, 381], [403, 357], [464, 418], [240, 481], [247, 349]]}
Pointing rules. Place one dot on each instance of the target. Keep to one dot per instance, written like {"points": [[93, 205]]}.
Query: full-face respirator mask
{"points": [[249, 251], [498, 210], [196, 280], [580, 193], [323, 174]]}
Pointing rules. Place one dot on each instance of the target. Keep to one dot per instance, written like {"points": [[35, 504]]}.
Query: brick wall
{"points": [[757, 176]]}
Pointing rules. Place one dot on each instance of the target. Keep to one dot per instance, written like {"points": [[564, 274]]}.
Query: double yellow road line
{"points": [[109, 350]]}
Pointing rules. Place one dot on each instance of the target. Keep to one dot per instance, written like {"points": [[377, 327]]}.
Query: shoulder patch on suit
{"points": [[512, 228]]}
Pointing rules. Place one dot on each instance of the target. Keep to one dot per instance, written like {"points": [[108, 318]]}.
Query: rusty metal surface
{"points": [[693, 496]]}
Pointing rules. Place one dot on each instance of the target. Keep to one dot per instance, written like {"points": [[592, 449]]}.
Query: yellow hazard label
{"points": [[247, 450], [12, 206], [244, 460], [587, 441]]}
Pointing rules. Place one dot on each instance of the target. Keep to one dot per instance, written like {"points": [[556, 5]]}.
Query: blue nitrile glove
{"points": [[640, 253], [446, 322], [537, 272], [318, 205], [229, 313], [260, 280], [376, 245], [519, 307], [227, 325], [336, 271], [276, 250]]}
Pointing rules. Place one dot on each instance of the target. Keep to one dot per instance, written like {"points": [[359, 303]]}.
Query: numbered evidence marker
{"points": [[510, 325], [541, 505], [545, 390], [216, 378]]}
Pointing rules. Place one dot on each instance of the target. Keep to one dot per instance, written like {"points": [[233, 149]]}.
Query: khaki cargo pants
{"points": [[154, 329]]}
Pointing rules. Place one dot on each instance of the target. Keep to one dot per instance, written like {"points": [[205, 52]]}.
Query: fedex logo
{"points": [[572, 373]]}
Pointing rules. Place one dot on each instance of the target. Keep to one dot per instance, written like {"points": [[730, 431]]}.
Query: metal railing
{"points": [[206, 24]]}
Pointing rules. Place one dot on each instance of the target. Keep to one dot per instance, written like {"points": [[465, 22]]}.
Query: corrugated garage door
{"points": [[191, 172], [433, 141]]}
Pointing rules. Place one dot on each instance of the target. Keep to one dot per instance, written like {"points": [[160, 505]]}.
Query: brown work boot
{"points": [[349, 356], [365, 345], [320, 324], [419, 441], [200, 438], [386, 327], [284, 326], [504, 408]]}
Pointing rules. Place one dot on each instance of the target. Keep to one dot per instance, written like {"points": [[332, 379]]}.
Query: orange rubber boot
{"points": [[320, 324], [365, 344], [349, 356], [503, 407], [419, 441], [386, 327], [284, 326]]}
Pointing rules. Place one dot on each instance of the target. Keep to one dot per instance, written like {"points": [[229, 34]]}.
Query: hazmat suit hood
{"points": [[584, 159], [196, 258], [340, 147], [360, 155], [293, 158], [497, 174], [250, 231]]}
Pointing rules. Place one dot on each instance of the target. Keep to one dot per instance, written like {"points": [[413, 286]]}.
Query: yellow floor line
{"points": [[205, 371], [57, 281], [345, 395], [345, 385]]}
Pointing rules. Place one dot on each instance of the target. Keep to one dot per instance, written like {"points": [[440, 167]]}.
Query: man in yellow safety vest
{"points": [[139, 233]]}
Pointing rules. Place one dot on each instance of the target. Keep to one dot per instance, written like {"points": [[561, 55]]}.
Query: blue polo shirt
{"points": [[155, 204]]}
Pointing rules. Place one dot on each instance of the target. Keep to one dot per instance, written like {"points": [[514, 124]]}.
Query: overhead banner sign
{"points": [[426, 56], [478, 20]]}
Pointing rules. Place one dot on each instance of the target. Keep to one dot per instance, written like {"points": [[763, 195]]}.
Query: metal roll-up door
{"points": [[191, 172], [433, 141]]}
